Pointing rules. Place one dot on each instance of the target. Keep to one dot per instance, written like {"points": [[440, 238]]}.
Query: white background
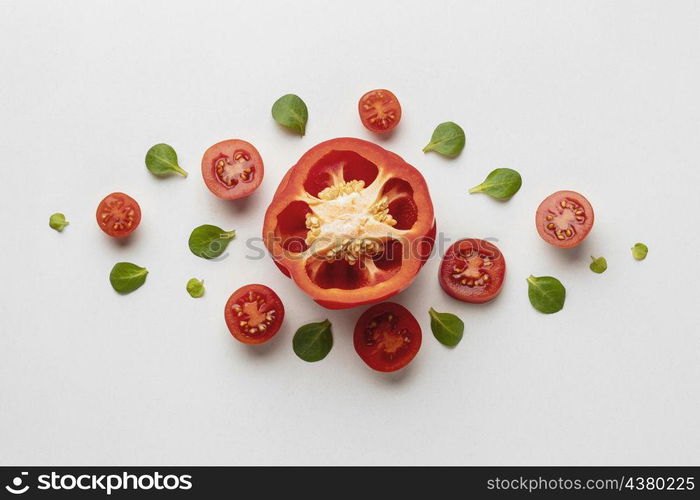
{"points": [[599, 97]]}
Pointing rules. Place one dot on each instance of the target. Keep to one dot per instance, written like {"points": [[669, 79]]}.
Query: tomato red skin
{"points": [[211, 180], [290, 184], [232, 322], [542, 210], [365, 115], [462, 292], [406, 320], [108, 228]]}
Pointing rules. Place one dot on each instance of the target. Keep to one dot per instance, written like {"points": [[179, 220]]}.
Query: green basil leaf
{"points": [[639, 251], [161, 159], [501, 184], [127, 277], [291, 112], [314, 341], [195, 288], [598, 265], [546, 294], [447, 328], [58, 221], [208, 242], [448, 139]]}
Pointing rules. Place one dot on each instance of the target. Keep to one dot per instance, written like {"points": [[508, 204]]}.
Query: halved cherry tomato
{"points": [[472, 271], [118, 215], [232, 169], [351, 223], [380, 110], [564, 219], [387, 337], [254, 314]]}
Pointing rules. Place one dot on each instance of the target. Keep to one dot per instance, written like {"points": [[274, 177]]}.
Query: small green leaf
{"points": [[161, 159], [546, 294], [291, 112], [446, 327], [314, 341], [195, 288], [598, 265], [501, 184], [208, 242], [448, 139], [639, 251], [58, 221], [127, 277]]}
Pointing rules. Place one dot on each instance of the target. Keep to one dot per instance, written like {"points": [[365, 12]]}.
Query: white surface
{"points": [[599, 97]]}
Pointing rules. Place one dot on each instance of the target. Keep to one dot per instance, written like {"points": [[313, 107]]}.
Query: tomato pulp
{"points": [[254, 314], [118, 215], [472, 271], [232, 169], [387, 337], [564, 219], [350, 223], [380, 110]]}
